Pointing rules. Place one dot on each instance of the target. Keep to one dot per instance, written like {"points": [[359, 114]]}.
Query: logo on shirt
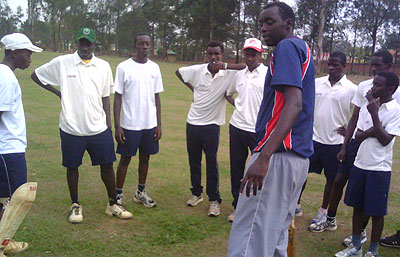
{"points": [[71, 76]]}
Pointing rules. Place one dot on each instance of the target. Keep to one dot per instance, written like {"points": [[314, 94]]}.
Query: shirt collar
{"points": [[258, 69], [341, 82], [77, 60], [220, 73], [390, 105]]}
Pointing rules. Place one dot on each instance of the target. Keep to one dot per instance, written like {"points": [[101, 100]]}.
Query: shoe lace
{"points": [[122, 208], [75, 210], [214, 204]]}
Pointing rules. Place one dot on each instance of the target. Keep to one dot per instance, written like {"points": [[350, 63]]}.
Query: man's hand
{"points": [[341, 156], [373, 103], [216, 66], [157, 133], [119, 135], [341, 131], [255, 176]]}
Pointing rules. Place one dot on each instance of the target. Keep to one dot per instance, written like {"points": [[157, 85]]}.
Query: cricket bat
{"points": [[291, 249], [16, 210]]}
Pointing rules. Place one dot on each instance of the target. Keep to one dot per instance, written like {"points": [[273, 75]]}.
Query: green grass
{"points": [[170, 229]]}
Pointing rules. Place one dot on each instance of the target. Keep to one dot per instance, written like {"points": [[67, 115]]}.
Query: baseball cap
{"points": [[87, 33], [253, 43], [16, 41]]}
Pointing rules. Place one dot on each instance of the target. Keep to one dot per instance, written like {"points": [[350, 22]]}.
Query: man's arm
{"points": [[106, 108], [216, 66], [290, 112], [158, 132], [47, 87], [362, 135], [349, 133], [230, 99], [383, 137], [119, 133], [181, 79]]}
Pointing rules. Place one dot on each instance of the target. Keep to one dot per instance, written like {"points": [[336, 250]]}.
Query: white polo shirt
{"points": [[371, 154], [332, 109], [12, 120], [82, 88], [250, 89], [208, 106], [359, 99], [138, 83]]}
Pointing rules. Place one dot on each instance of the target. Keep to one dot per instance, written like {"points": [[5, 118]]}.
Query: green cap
{"points": [[87, 33]]}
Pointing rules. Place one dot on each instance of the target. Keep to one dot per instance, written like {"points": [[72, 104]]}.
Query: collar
{"points": [[77, 59], [390, 105], [341, 82], [220, 73], [258, 69]]}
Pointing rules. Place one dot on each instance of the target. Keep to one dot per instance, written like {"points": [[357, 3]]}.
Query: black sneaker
{"points": [[391, 241]]}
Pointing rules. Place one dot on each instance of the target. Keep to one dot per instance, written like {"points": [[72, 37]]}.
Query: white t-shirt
{"points": [[371, 154], [359, 99], [250, 89], [208, 106], [82, 88], [138, 83], [332, 109], [12, 120]]}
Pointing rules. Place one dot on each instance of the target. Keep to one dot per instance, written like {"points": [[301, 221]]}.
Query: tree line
{"points": [[183, 27]]}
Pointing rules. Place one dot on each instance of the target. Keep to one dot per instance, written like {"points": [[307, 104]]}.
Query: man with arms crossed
{"points": [[278, 168], [85, 123], [249, 86], [137, 84], [13, 171]]}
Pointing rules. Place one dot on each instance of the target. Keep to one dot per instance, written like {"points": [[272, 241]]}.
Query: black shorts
{"points": [[13, 173], [351, 153], [100, 148], [138, 139], [324, 158]]}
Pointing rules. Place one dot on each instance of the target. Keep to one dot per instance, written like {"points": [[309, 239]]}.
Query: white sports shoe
{"points": [[319, 217], [120, 197], [347, 240], [144, 198], [371, 254], [231, 217], [350, 251], [118, 210], [214, 210], [75, 215], [194, 200], [15, 247]]}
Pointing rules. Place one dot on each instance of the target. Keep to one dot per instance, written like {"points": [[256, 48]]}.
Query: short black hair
{"points": [[341, 56], [215, 44], [386, 56], [138, 35], [285, 10], [392, 80]]}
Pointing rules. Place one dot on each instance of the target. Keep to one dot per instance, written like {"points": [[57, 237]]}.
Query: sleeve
{"points": [[119, 80], [108, 82], [49, 73], [7, 90], [393, 127], [232, 85], [287, 65], [158, 84], [358, 97], [188, 74]]}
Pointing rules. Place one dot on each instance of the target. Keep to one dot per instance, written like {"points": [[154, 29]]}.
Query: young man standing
{"points": [[333, 95], [206, 114], [249, 86], [13, 171], [137, 86], [369, 181], [278, 168], [85, 123]]}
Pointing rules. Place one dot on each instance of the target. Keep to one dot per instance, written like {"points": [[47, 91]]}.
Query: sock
{"points": [[118, 191], [373, 247], [141, 187], [331, 219], [323, 210], [356, 241], [298, 206]]}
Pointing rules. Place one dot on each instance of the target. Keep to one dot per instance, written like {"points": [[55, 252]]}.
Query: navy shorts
{"points": [[351, 153], [13, 173], [324, 158], [100, 148], [368, 190], [138, 139]]}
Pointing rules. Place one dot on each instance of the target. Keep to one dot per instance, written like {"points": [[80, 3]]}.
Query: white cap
{"points": [[253, 43], [17, 41]]}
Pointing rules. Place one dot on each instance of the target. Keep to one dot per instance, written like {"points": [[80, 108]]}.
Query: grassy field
{"points": [[170, 229]]}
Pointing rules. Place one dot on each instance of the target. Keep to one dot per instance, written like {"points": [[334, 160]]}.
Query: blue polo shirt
{"points": [[291, 65]]}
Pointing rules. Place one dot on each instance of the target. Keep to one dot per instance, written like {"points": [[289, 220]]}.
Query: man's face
{"points": [[22, 58], [85, 48], [214, 54], [273, 28], [379, 88], [335, 67], [142, 45], [378, 65], [251, 58]]}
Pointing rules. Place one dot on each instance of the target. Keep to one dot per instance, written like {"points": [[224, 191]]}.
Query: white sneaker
{"points": [[75, 214], [371, 254], [231, 217], [194, 200], [214, 209], [322, 226], [144, 198], [15, 247], [119, 198], [320, 216], [347, 240], [350, 251], [118, 210]]}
